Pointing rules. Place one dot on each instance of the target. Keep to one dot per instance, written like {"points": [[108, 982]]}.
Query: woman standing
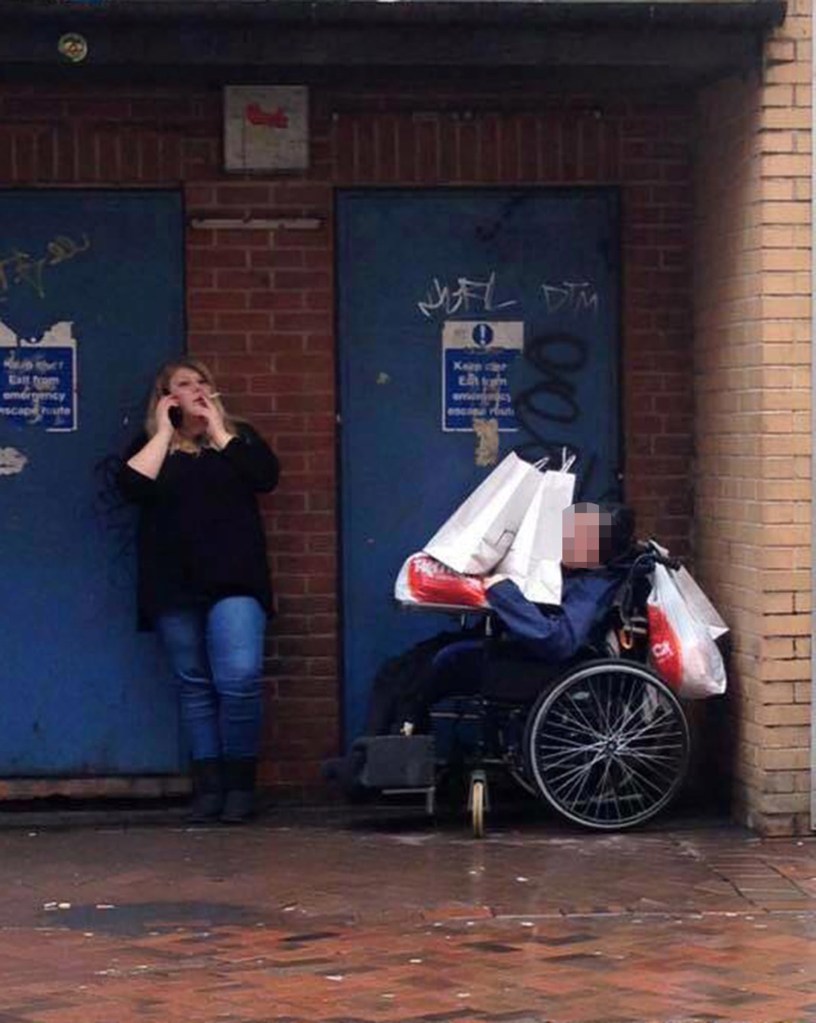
{"points": [[203, 576]]}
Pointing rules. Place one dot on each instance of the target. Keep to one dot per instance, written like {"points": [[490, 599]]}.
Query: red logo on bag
{"points": [[665, 647], [431, 582]]}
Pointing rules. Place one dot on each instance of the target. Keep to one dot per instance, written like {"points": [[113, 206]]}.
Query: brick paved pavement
{"points": [[317, 919]]}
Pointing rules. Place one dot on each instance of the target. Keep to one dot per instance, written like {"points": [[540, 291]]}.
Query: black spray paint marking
{"points": [[490, 232], [553, 400]]}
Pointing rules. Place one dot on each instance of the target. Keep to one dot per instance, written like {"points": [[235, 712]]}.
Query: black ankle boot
{"points": [[239, 782], [208, 791]]}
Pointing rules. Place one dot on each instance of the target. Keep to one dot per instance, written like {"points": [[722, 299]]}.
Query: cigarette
{"points": [[215, 394]]}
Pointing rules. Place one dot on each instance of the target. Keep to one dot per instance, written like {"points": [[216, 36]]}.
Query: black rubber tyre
{"points": [[608, 745]]}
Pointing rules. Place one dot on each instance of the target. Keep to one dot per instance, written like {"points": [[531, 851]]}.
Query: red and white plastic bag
{"points": [[680, 646], [424, 581]]}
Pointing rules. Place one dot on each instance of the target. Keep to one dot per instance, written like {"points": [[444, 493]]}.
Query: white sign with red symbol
{"points": [[266, 127]]}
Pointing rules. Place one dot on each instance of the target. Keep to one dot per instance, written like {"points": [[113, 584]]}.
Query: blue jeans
{"points": [[216, 654]]}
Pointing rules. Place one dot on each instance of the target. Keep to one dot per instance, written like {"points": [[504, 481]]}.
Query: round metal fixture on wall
{"points": [[73, 47]]}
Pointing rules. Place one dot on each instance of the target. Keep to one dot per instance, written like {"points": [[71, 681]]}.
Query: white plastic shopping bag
{"points": [[534, 559], [699, 604], [681, 648], [479, 533]]}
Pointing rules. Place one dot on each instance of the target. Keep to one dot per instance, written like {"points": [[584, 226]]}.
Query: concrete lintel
{"points": [[231, 49], [733, 14]]}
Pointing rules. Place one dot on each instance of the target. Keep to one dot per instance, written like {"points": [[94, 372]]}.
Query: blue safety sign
{"points": [[38, 382], [476, 360], [482, 334]]}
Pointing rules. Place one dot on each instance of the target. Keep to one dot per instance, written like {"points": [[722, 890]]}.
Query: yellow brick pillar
{"points": [[752, 533]]}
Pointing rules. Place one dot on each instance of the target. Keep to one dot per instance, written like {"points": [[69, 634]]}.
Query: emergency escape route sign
{"points": [[476, 358], [38, 379]]}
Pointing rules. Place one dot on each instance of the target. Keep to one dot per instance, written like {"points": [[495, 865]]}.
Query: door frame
{"points": [[91, 784], [613, 194]]}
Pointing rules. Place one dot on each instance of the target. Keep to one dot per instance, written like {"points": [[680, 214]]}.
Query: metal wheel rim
{"points": [[608, 746]]}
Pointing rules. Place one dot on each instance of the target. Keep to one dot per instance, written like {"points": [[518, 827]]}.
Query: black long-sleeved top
{"points": [[201, 537]]}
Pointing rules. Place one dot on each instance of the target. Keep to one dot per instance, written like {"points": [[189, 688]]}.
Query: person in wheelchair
{"points": [[567, 703], [596, 560]]}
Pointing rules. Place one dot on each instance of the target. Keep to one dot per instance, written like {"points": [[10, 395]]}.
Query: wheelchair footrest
{"points": [[397, 761]]}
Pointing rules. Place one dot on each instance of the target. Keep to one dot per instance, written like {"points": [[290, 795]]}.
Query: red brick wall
{"points": [[260, 304]]}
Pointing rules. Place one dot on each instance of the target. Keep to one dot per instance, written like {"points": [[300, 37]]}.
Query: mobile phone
{"points": [[174, 414]]}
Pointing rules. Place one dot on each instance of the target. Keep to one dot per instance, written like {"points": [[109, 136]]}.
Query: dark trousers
{"points": [[455, 670]]}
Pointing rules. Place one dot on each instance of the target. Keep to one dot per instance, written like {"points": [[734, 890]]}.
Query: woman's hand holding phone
{"points": [[168, 413], [149, 460]]}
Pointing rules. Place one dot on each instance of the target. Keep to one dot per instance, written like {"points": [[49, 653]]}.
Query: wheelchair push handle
{"points": [[673, 563], [657, 555], [630, 600]]}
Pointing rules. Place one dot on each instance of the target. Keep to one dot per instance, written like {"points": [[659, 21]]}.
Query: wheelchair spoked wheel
{"points": [[608, 746]]}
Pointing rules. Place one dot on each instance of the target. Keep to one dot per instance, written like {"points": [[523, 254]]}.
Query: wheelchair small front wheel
{"points": [[608, 746], [477, 804]]}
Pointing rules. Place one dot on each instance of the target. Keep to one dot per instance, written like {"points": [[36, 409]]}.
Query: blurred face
{"points": [[189, 387], [581, 544]]}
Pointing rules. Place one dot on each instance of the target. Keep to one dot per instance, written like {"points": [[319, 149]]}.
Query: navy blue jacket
{"points": [[555, 634]]}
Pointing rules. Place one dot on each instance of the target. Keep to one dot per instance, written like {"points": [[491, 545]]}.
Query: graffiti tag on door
{"points": [[19, 268]]}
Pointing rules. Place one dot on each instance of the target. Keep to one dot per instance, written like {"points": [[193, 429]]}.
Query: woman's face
{"points": [[189, 387]]}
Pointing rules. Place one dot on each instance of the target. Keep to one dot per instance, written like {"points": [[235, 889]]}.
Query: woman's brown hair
{"points": [[161, 387]]}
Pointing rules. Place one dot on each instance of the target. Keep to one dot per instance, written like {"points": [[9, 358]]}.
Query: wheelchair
{"points": [[602, 740]]}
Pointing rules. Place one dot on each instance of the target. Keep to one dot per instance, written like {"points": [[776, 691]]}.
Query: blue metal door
{"points": [[91, 302], [431, 283]]}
